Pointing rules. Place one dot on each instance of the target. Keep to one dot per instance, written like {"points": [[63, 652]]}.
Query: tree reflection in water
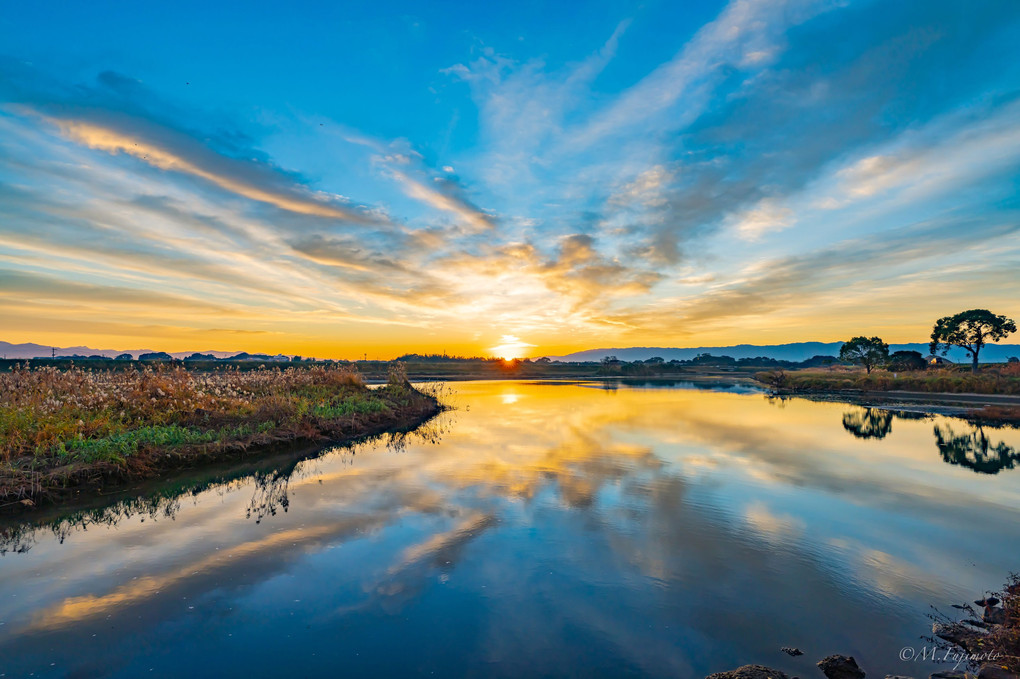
{"points": [[868, 423], [974, 450], [270, 480], [270, 494]]}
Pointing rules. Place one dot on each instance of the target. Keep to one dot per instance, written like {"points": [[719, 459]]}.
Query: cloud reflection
{"points": [[660, 500]]}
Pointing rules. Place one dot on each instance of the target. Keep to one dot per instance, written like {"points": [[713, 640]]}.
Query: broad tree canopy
{"points": [[907, 360], [970, 330], [866, 351]]}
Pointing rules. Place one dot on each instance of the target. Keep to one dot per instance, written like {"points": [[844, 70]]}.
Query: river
{"points": [[576, 529]]}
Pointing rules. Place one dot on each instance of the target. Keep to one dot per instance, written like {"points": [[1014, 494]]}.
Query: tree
{"points": [[865, 351], [609, 365], [970, 330], [903, 361]]}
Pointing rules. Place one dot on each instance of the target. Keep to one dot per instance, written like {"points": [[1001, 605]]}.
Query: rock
{"points": [[993, 671], [994, 615], [792, 651], [897, 676], [967, 638], [950, 674], [840, 667], [750, 672]]}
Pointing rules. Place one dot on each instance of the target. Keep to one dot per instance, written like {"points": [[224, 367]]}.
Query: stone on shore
{"points": [[966, 637], [994, 615], [993, 671], [840, 667], [750, 672]]}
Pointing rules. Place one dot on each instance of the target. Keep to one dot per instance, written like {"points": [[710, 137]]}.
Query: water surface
{"points": [[552, 529]]}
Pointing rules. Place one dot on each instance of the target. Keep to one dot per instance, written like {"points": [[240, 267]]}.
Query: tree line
{"points": [[970, 330]]}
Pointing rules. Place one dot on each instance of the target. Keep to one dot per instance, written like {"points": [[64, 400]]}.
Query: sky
{"points": [[349, 179]]}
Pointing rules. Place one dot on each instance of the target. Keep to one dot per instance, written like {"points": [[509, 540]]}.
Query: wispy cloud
{"points": [[785, 160]]}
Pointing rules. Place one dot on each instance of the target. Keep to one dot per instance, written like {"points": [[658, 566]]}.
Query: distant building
{"points": [[938, 360]]}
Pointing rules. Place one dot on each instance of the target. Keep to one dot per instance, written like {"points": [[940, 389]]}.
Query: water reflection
{"points": [[973, 448], [868, 423], [563, 531], [267, 480]]}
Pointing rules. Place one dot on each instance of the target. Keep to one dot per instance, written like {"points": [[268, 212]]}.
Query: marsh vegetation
{"points": [[65, 427]]}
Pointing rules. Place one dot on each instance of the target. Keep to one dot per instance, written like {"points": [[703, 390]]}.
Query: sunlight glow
{"points": [[511, 347]]}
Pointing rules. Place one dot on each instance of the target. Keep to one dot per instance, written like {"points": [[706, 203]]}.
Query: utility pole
{"points": [[53, 352]]}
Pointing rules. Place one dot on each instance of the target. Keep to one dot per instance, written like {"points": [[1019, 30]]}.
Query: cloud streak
{"points": [[768, 173]]}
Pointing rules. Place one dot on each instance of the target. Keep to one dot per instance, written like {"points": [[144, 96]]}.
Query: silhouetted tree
{"points": [[865, 351], [970, 330], [609, 365], [907, 360]]}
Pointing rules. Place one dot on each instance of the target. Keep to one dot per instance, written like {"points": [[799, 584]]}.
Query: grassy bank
{"points": [[1003, 380], [64, 429], [997, 383]]}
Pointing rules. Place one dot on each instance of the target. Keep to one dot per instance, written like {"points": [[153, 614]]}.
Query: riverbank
{"points": [[65, 433], [974, 645], [989, 396]]}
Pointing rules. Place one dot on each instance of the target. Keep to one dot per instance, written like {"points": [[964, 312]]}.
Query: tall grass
{"points": [[50, 416], [994, 380]]}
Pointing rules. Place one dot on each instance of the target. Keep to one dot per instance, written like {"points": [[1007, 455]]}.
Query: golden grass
{"points": [[51, 417], [992, 380]]}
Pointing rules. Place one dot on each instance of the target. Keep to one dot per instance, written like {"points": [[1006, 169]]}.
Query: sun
{"points": [[511, 347]]}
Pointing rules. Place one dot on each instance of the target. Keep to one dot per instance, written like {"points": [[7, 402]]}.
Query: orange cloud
{"points": [[112, 141]]}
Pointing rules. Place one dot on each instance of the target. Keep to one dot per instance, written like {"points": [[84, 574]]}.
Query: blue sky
{"points": [[332, 179]]}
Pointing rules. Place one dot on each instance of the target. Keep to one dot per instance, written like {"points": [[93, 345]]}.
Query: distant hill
{"points": [[797, 351], [29, 350]]}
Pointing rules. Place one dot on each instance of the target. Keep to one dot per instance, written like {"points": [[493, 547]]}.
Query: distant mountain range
{"points": [[30, 350], [797, 351]]}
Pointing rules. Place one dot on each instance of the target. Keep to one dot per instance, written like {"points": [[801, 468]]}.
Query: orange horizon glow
{"points": [[538, 209], [504, 346]]}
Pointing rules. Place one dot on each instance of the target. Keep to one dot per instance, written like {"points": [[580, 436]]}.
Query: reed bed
{"points": [[79, 419], [995, 380]]}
